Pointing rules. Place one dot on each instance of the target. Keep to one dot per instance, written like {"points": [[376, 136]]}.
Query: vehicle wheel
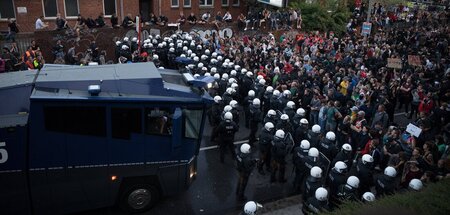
{"points": [[139, 198]]}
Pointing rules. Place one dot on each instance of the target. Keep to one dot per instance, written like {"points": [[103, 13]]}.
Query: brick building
{"points": [[27, 11]]}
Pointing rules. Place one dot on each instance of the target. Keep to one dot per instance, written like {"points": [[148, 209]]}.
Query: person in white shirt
{"points": [[205, 18], [40, 24], [227, 17]]}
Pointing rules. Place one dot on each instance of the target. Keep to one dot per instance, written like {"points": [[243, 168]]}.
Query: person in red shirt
{"points": [[426, 105]]}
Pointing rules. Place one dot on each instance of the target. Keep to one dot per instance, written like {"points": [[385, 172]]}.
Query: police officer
{"points": [[254, 119], [368, 197], [275, 102], [298, 158], [245, 166], [265, 146], [247, 102], [336, 178], [312, 159], [247, 83], [285, 98], [327, 146], [290, 110], [279, 151], [226, 131], [228, 95], [415, 184], [214, 115], [266, 98], [299, 114], [284, 124], [345, 155], [271, 116], [235, 111], [223, 83], [259, 88], [313, 182], [301, 131], [349, 191], [251, 208], [117, 50], [385, 184], [318, 203], [364, 172], [314, 136]]}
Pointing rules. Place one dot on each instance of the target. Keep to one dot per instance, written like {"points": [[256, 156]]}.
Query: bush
{"points": [[431, 200]]}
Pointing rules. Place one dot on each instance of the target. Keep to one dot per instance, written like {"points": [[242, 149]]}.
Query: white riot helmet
{"points": [[224, 64], [251, 93], [125, 39], [284, 117], [347, 147], [237, 67], [118, 43], [155, 57], [205, 69], [353, 181], [233, 103], [316, 129], [290, 104], [207, 52], [269, 89], [171, 44], [279, 134], [368, 197], [219, 58], [217, 99], [249, 74], [243, 71], [390, 171], [124, 47], [214, 54], [269, 126], [340, 166], [316, 172], [134, 39], [189, 52], [227, 108], [229, 90], [251, 207], [321, 194], [195, 58], [203, 57], [234, 86], [301, 111], [256, 102], [199, 46], [199, 65], [286, 93], [213, 70], [416, 184], [225, 76], [259, 77], [216, 76], [228, 116], [185, 48], [367, 159], [304, 121], [330, 136], [233, 73], [171, 50], [245, 148], [271, 113], [313, 152], [262, 82], [276, 92], [304, 144]]}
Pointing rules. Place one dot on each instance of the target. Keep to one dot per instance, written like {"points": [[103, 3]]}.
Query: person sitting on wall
{"points": [[227, 17], [81, 22], [128, 22], [182, 18], [163, 20], [114, 21], [218, 20], [41, 24], [205, 18], [192, 19], [61, 23], [100, 20]]}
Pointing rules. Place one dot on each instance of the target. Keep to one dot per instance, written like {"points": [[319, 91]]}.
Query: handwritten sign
{"points": [[413, 130], [395, 63], [414, 60]]}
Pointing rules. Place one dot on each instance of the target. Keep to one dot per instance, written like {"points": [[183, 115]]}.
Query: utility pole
{"points": [[369, 11]]}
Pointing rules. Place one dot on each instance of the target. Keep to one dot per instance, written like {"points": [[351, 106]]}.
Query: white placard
{"points": [[21, 9], [413, 130]]}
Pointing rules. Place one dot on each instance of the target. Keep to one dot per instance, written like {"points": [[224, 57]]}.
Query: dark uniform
{"points": [[265, 146], [314, 206], [335, 179], [275, 103], [266, 101], [254, 120], [235, 113], [247, 102], [298, 160], [300, 134], [328, 148], [364, 173], [279, 151], [272, 119], [314, 139], [245, 165], [284, 125], [346, 193], [311, 185], [214, 118], [296, 120], [345, 157], [226, 98], [385, 185], [290, 112], [226, 131]]}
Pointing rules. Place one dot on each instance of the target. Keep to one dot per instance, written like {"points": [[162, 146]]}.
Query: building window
{"points": [[125, 121], [50, 8], [7, 9], [235, 2], [175, 3], [72, 8], [78, 120], [109, 7], [186, 3], [158, 121], [206, 3], [225, 2], [192, 122]]}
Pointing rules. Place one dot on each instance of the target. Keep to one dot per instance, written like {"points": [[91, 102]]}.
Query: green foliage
{"points": [[432, 200], [324, 16]]}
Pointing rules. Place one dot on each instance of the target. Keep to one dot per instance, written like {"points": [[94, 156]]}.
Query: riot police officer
{"points": [[299, 114], [345, 155], [271, 116], [275, 102], [235, 111], [251, 208], [285, 98], [301, 131], [259, 88], [385, 184], [245, 165], [313, 182], [298, 158], [265, 146], [364, 172], [314, 136], [247, 102], [415, 184], [368, 197], [290, 110], [254, 120], [327, 146], [226, 131], [318, 203], [214, 115], [279, 151], [284, 124], [336, 178], [348, 191], [266, 98]]}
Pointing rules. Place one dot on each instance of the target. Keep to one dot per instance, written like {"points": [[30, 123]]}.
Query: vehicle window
{"points": [[158, 121], [82, 120], [125, 121], [192, 122]]}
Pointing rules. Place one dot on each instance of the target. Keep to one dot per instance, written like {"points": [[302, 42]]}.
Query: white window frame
{"points": [[225, 5], [173, 6], [43, 10], [206, 4], [104, 12], [238, 3], [65, 10], [190, 3], [15, 13]]}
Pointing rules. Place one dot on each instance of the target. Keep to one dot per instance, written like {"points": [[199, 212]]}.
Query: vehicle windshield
{"points": [[192, 122]]}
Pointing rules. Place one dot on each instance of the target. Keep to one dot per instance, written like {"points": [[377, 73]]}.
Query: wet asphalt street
{"points": [[213, 191]]}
